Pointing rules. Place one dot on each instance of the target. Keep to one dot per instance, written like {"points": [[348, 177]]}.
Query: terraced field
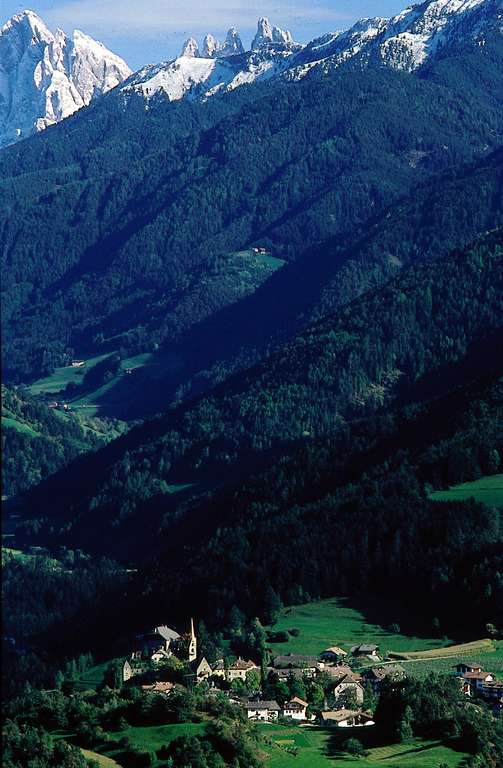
{"points": [[310, 747]]}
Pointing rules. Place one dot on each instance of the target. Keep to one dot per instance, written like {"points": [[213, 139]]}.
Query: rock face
{"points": [[190, 49], [267, 34], [45, 77]]}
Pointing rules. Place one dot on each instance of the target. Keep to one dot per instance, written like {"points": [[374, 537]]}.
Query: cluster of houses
{"points": [[260, 250], [345, 687], [475, 682]]}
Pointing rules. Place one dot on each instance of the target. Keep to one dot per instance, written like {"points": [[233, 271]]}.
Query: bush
{"points": [[278, 637], [294, 632]]}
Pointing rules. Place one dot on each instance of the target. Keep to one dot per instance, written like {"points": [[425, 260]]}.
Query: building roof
{"points": [[348, 680], [295, 660], [364, 649], [340, 715], [273, 706], [338, 673], [335, 650], [393, 671], [285, 674], [297, 700], [166, 632], [159, 687], [243, 664], [472, 665], [477, 675]]}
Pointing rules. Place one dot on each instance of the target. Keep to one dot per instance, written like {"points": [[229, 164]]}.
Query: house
{"points": [[493, 689], [349, 687], [161, 655], [478, 679], [263, 710], [346, 718], [237, 670], [309, 664], [295, 708], [393, 673], [340, 671], [372, 651], [287, 674], [160, 637], [334, 654], [78, 363], [132, 668], [202, 670], [160, 687], [464, 667]]}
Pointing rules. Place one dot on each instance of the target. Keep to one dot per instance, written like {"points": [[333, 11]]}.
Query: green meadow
{"points": [[488, 490], [311, 747], [341, 622]]}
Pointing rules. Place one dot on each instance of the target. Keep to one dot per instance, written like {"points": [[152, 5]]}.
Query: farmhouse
{"points": [[263, 710], [372, 651], [334, 654], [309, 664], [346, 718], [392, 673], [132, 668], [340, 671], [237, 670], [478, 679], [349, 687], [464, 667], [287, 674], [163, 688], [295, 708]]}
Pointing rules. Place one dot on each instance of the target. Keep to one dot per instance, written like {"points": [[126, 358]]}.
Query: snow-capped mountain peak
{"points": [[267, 34], [190, 48], [45, 77]]}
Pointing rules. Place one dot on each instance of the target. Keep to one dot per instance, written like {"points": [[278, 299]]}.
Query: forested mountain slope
{"points": [[379, 350], [126, 206], [38, 440]]}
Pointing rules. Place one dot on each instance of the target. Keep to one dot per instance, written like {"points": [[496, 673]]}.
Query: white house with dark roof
{"points": [[348, 686], [263, 710], [370, 650], [296, 708]]}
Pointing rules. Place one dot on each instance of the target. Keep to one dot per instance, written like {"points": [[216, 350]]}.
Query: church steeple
{"points": [[192, 642]]}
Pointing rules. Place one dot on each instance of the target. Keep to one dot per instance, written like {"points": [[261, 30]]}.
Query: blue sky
{"points": [[146, 31]]}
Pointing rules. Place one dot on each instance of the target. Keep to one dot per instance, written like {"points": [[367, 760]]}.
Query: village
{"points": [[350, 680]]}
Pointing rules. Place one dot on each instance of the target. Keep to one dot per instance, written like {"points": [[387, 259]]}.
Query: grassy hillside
{"points": [[488, 490], [314, 750], [345, 623], [38, 440]]}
